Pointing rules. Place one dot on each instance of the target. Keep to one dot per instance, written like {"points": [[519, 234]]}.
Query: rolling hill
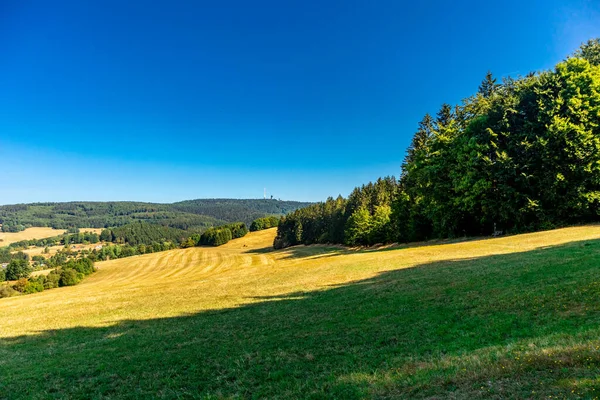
{"points": [[511, 317]]}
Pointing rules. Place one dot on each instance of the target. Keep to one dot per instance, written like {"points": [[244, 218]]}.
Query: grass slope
{"points": [[513, 317]]}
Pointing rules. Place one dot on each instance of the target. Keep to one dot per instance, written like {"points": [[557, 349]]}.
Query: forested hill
{"points": [[519, 155], [183, 215], [243, 210]]}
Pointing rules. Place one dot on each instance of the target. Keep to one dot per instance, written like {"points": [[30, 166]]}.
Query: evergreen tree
{"points": [[488, 85]]}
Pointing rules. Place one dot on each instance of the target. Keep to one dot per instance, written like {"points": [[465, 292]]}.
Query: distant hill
{"points": [[242, 210], [189, 214]]}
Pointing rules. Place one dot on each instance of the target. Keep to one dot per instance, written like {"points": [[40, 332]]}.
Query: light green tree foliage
{"points": [[380, 224], [571, 158], [358, 227]]}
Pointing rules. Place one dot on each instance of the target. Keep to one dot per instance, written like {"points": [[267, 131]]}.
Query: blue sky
{"points": [[172, 100]]}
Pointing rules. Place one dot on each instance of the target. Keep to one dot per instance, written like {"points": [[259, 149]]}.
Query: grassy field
{"points": [[512, 317], [7, 238]]}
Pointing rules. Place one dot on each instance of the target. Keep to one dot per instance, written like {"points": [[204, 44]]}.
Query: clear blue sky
{"points": [[171, 100]]}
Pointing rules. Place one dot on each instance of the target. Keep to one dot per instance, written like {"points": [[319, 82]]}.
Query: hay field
{"points": [[29, 233], [243, 320], [7, 238]]}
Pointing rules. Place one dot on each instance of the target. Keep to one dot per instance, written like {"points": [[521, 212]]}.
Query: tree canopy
{"points": [[519, 155]]}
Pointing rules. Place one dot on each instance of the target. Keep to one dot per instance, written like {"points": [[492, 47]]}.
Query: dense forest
{"points": [[143, 233], [238, 210], [192, 214], [519, 155]]}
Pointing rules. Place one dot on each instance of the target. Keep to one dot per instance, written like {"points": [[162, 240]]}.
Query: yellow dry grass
{"points": [[39, 251], [7, 238], [179, 282]]}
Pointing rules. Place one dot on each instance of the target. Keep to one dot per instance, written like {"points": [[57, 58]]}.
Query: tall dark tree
{"points": [[419, 141], [488, 86]]}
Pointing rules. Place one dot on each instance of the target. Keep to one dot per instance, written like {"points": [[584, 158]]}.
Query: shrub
{"points": [[216, 236], [20, 285], [84, 266], [51, 280], [238, 229], [39, 259], [7, 291], [33, 287], [69, 277], [264, 223]]}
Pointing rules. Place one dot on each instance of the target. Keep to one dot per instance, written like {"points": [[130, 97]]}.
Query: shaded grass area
{"points": [[522, 325]]}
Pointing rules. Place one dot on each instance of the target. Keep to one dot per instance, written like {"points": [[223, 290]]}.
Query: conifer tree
{"points": [[488, 85]]}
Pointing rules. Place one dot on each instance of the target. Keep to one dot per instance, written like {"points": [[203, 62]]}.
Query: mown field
{"points": [[512, 317], [7, 238]]}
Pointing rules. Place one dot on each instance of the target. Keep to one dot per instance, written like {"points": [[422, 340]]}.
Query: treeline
{"points": [[242, 210], [186, 215], [519, 155], [112, 252], [143, 233], [363, 218], [223, 234], [264, 223], [68, 274], [217, 236]]}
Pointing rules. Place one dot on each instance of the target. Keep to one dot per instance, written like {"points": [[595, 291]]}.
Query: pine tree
{"points": [[444, 116], [488, 85], [419, 141]]}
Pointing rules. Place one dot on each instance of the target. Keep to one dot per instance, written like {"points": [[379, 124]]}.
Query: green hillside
{"points": [[183, 215]]}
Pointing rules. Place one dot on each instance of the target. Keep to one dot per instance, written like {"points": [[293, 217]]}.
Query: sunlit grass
{"points": [[7, 238], [508, 317]]}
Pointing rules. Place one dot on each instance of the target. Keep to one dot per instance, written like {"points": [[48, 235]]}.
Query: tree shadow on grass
{"points": [[303, 251], [445, 329], [332, 250]]}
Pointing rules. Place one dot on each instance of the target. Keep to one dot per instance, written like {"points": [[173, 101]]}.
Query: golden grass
{"points": [[39, 251], [29, 233], [179, 282]]}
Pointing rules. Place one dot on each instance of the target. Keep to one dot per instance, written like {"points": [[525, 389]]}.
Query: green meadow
{"points": [[510, 317]]}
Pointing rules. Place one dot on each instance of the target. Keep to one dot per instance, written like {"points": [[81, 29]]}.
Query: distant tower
{"points": [[265, 193]]}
